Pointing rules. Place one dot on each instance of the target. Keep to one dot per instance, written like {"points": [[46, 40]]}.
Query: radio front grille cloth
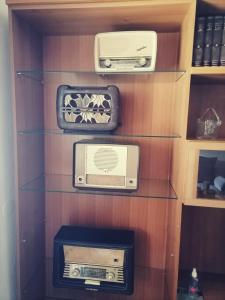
{"points": [[88, 108]]}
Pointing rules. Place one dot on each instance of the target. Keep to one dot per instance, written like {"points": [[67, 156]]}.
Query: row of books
{"points": [[209, 41]]}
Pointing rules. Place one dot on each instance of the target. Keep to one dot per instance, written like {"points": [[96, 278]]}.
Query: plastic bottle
{"points": [[193, 288]]}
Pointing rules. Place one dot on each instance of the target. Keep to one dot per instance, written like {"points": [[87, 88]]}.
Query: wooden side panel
{"points": [[187, 38], [172, 248], [179, 156], [27, 54]]}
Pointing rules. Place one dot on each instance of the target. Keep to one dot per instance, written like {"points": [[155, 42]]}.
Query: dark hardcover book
{"points": [[222, 53], [199, 41], [207, 54], [217, 40]]}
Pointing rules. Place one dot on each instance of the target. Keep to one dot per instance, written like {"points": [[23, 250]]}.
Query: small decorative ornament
{"points": [[208, 124]]}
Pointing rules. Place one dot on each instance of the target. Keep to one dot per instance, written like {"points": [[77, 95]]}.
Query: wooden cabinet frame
{"points": [[39, 32]]}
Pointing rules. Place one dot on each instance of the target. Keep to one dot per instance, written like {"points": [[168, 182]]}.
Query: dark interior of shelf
{"points": [[206, 8], [148, 188], [203, 96], [202, 247], [212, 286]]}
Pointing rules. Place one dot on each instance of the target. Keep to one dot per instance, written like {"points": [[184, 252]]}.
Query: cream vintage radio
{"points": [[94, 259], [125, 51], [102, 165]]}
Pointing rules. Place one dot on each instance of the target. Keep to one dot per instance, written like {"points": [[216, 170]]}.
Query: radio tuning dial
{"points": [[110, 276], [75, 272], [142, 61], [107, 63]]}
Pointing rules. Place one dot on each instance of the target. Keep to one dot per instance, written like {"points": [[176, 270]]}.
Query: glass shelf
{"points": [[40, 75], [148, 188], [116, 133], [149, 284]]}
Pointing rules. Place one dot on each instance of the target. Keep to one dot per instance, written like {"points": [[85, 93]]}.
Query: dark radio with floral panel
{"points": [[88, 108]]}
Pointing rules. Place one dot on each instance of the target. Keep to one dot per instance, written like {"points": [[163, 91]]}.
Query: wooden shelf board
{"points": [[208, 75], [205, 203], [208, 70], [208, 144]]}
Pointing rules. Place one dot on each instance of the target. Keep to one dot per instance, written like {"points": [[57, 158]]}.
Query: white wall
{"points": [[7, 208]]}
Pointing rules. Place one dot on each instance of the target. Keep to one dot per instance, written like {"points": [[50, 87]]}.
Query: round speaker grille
{"points": [[106, 159]]}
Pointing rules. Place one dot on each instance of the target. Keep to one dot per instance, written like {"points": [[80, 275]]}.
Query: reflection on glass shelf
{"points": [[115, 133], [148, 285], [148, 188], [41, 75]]}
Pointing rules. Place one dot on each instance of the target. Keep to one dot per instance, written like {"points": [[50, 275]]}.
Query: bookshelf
{"points": [[202, 240], [52, 43]]}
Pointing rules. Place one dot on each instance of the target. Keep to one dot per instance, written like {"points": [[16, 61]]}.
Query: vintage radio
{"points": [[94, 259], [125, 51], [104, 165], [88, 108]]}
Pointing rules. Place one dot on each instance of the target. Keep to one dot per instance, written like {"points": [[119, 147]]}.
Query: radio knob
{"points": [[107, 63], [110, 276], [75, 272], [142, 61]]}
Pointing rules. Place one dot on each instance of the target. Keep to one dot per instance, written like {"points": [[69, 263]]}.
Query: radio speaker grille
{"points": [[106, 159]]}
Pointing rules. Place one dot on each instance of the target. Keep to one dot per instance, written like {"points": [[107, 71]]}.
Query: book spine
{"points": [[222, 53], [207, 54], [217, 40], [199, 41]]}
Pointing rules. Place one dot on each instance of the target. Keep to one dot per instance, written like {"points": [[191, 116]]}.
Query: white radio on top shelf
{"points": [[125, 51]]}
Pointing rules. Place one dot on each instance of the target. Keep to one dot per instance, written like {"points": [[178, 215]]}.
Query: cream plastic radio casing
{"points": [[105, 165], [125, 51]]}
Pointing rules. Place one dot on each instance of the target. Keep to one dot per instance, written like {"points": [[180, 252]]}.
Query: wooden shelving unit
{"points": [[52, 43], [202, 240]]}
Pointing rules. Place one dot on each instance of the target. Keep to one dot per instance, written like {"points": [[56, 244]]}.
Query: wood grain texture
{"points": [[146, 218], [136, 96], [88, 2], [26, 53], [202, 240], [155, 15], [172, 248], [179, 154]]}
